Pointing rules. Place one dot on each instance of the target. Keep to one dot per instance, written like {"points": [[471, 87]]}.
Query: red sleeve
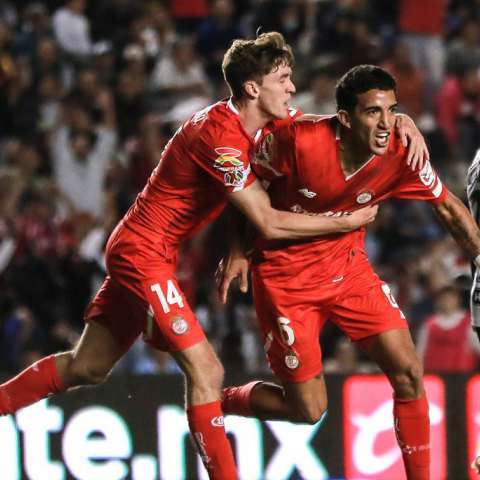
{"points": [[421, 185], [225, 155]]}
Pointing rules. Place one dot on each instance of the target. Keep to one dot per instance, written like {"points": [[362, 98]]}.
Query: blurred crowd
{"points": [[91, 91]]}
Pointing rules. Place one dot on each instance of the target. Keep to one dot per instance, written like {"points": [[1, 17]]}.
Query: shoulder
{"points": [[218, 122], [217, 132], [314, 127]]}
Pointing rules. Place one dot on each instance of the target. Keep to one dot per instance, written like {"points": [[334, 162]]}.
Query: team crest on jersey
{"points": [[364, 196], [179, 325], [228, 159], [265, 152]]}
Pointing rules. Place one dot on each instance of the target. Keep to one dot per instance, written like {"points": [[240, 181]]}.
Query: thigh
{"points": [[143, 295], [366, 306], [290, 322], [97, 345], [393, 351], [93, 357]]}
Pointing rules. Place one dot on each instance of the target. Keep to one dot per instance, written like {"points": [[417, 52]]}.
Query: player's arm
{"points": [[234, 263], [272, 224], [253, 204], [411, 137], [462, 226], [456, 218]]}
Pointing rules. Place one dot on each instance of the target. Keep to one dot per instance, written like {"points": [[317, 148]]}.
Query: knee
{"points": [[216, 373], [83, 372], [409, 380], [208, 373], [309, 414]]}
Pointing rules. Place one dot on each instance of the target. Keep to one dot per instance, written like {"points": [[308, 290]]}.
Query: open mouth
{"points": [[382, 139]]}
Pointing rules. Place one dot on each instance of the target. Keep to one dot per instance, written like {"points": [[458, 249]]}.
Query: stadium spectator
{"points": [[447, 343], [215, 35], [458, 113], [80, 152]]}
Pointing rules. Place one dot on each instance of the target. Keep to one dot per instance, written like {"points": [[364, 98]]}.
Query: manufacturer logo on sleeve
{"points": [[307, 193]]}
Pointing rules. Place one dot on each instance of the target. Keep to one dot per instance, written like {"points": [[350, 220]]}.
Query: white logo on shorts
{"points": [[291, 361]]}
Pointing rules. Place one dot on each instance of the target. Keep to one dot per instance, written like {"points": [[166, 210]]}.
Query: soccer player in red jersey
{"points": [[204, 165], [331, 167]]}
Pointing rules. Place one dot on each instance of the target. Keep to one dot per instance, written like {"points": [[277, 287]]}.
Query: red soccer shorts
{"points": [[141, 295], [291, 318]]}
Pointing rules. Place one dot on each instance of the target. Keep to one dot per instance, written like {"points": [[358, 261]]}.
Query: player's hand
{"points": [[228, 269], [361, 217], [476, 465], [411, 137]]}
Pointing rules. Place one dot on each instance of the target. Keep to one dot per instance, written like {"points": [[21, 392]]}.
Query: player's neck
{"points": [[352, 160], [252, 118]]}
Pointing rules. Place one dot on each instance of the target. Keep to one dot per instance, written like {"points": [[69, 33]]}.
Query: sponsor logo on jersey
{"points": [[179, 325], [218, 421], [300, 209], [307, 193], [364, 196], [228, 161], [291, 360]]}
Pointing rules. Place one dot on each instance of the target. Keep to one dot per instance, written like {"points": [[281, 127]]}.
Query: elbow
{"points": [[269, 232], [269, 229]]}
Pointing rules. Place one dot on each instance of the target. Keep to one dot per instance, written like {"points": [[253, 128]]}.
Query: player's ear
{"points": [[344, 118], [251, 88]]}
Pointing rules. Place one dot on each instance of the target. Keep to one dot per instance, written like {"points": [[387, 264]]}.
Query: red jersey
{"points": [[207, 158], [448, 350], [303, 165]]}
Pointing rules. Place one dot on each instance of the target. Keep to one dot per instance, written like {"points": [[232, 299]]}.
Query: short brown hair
{"points": [[253, 59]]}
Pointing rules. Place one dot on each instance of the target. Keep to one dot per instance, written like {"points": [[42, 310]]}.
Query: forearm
{"points": [[462, 227], [236, 233], [288, 225], [274, 224]]}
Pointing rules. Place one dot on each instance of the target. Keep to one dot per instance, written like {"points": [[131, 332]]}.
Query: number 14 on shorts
{"points": [[172, 296]]}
